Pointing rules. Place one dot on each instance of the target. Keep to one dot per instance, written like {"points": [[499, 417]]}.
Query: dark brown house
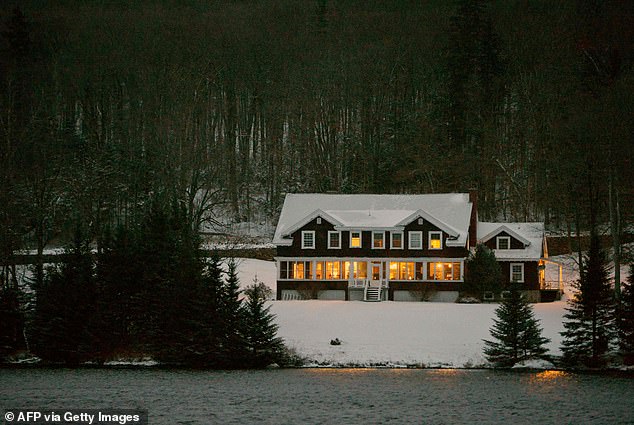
{"points": [[395, 247]]}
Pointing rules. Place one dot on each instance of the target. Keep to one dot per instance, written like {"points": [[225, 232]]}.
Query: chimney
{"points": [[473, 221]]}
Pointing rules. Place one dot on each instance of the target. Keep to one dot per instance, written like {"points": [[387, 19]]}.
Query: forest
{"points": [[232, 104], [112, 112]]}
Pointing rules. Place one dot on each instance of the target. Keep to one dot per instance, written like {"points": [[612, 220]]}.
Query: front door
{"points": [[377, 272]]}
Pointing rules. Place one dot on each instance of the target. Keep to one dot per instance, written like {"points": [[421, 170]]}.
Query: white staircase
{"points": [[372, 293]]}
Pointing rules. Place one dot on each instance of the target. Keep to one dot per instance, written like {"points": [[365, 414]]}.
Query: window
{"points": [[406, 270], [503, 242], [319, 270], [505, 295], [420, 221], [295, 270], [334, 240], [435, 240], [360, 270], [517, 272], [488, 296], [318, 220], [355, 239], [333, 269], [415, 240], [444, 271], [378, 240], [308, 239], [397, 240]]}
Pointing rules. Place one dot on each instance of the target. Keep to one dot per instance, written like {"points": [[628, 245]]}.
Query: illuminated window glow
{"points": [[443, 271], [355, 239], [435, 240]]}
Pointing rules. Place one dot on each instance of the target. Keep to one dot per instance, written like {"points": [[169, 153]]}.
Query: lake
{"points": [[324, 396]]}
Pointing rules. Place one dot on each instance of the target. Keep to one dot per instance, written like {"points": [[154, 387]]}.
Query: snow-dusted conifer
{"points": [[626, 319], [589, 324], [263, 345], [516, 331]]}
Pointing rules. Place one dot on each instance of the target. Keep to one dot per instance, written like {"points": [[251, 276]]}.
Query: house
{"points": [[395, 247]]}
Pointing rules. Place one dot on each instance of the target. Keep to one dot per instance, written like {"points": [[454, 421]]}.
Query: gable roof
{"points": [[449, 212], [530, 234]]}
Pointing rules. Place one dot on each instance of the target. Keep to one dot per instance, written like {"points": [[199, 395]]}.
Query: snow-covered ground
{"points": [[394, 333]]}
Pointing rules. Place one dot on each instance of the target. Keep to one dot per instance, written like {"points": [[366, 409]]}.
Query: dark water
{"points": [[329, 396]]}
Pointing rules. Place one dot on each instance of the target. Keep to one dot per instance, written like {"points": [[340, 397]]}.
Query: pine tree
{"points": [[626, 319], [483, 272], [517, 332], [65, 308], [11, 331], [263, 345], [589, 325], [232, 316]]}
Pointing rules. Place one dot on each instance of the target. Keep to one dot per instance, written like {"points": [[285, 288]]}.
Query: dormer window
{"points": [[435, 240], [355, 239], [308, 239], [503, 242]]}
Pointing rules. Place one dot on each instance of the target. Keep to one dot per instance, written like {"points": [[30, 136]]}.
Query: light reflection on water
{"points": [[346, 396]]}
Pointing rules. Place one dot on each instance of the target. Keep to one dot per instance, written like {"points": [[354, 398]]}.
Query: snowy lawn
{"points": [[391, 333]]}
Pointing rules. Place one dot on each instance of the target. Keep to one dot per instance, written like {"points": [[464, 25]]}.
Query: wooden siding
{"points": [[531, 275], [321, 244], [515, 244]]}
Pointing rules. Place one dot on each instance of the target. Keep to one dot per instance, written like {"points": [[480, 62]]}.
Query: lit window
{"points": [[308, 239], [397, 240], [503, 242], [444, 271], [415, 240], [360, 270], [319, 270], [301, 269], [333, 269], [355, 239], [435, 240], [517, 272], [378, 240], [334, 240]]}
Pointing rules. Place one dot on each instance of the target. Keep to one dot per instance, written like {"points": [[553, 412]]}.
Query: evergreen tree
{"points": [[626, 319], [483, 273], [589, 325], [232, 316], [64, 310], [209, 340], [11, 331], [517, 332], [263, 345]]}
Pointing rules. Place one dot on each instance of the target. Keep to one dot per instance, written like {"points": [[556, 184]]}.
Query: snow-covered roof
{"points": [[530, 234], [449, 212]]}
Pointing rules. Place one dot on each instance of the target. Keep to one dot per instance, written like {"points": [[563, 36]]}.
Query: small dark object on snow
{"points": [[335, 341]]}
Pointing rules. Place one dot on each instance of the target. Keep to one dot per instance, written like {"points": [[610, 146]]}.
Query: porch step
{"points": [[373, 294]]}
